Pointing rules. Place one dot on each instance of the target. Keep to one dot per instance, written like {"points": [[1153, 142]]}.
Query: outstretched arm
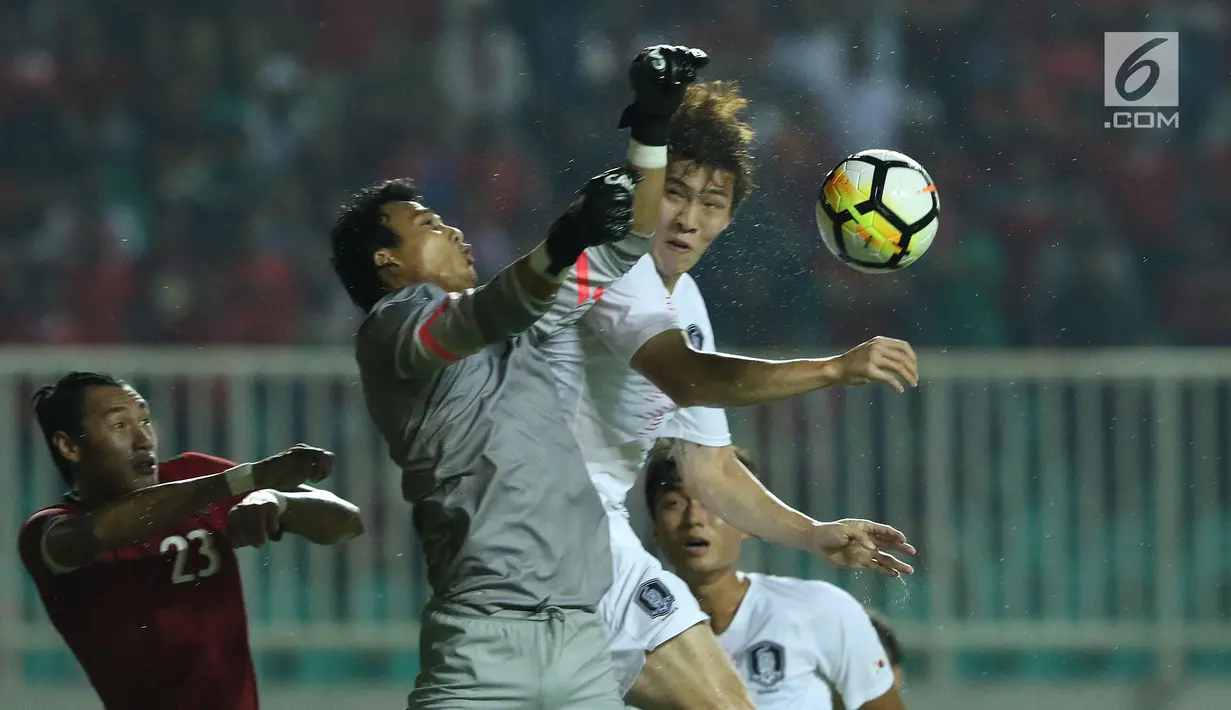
{"points": [[73, 540], [315, 515], [717, 478], [70, 541], [422, 328], [692, 377], [659, 76]]}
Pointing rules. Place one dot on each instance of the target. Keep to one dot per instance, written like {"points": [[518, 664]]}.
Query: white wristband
{"points": [[281, 501], [647, 156], [240, 479], [540, 261]]}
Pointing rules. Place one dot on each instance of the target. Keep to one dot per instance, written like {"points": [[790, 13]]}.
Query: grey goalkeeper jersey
{"points": [[468, 404]]}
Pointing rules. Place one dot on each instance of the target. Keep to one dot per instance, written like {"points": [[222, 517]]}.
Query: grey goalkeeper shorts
{"points": [[513, 660]]}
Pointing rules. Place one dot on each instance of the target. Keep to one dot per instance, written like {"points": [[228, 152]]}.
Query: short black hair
{"points": [[709, 131], [889, 639], [359, 232], [662, 475], [61, 407]]}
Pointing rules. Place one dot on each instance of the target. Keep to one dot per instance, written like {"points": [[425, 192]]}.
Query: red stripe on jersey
{"points": [[598, 293], [425, 334], [583, 278]]}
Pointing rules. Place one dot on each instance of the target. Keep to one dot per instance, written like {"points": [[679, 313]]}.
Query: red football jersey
{"points": [[159, 625]]}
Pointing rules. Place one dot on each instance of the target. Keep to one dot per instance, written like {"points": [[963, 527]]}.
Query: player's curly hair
{"points": [[60, 408], [359, 232], [662, 474], [708, 130]]}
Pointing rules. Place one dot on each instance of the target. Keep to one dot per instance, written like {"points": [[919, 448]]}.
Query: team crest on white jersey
{"points": [[654, 597], [767, 663], [695, 336]]}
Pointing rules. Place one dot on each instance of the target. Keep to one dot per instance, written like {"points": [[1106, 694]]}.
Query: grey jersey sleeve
{"points": [[422, 328], [596, 270]]}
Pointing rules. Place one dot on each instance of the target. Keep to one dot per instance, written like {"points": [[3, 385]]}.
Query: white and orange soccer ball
{"points": [[878, 211]]}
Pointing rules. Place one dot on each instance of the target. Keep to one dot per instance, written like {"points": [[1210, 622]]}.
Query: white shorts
{"points": [[646, 605]]}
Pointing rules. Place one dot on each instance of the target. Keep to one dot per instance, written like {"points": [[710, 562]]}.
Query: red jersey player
{"points": [[136, 568]]}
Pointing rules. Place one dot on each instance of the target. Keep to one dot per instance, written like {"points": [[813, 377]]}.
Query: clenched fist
{"points": [[880, 359], [299, 464], [659, 76], [256, 519], [602, 214]]}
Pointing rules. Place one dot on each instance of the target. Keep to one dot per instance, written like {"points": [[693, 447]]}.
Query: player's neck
{"points": [[93, 497], [394, 279], [670, 280], [720, 598]]}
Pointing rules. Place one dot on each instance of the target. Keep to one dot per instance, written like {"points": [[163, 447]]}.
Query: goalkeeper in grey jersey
{"points": [[513, 531]]}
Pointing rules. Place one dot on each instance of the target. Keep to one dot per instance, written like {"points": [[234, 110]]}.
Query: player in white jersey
{"points": [[796, 643], [893, 651], [641, 365]]}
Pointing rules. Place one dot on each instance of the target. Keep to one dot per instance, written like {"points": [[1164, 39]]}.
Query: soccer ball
{"points": [[878, 211]]}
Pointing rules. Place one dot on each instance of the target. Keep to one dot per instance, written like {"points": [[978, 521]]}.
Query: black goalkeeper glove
{"points": [[602, 214], [659, 75]]}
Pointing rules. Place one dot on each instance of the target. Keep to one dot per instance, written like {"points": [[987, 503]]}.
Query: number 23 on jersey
{"points": [[196, 556]]}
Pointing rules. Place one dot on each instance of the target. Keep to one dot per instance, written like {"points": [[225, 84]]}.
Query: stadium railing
{"points": [[1063, 502]]}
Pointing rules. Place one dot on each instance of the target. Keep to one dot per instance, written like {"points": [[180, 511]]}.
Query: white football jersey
{"points": [[791, 639], [616, 414]]}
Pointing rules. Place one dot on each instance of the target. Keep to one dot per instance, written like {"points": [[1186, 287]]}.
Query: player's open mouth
{"points": [[145, 465], [679, 246], [696, 546]]}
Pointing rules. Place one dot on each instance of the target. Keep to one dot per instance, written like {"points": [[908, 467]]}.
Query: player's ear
{"points": [[68, 447], [384, 258]]}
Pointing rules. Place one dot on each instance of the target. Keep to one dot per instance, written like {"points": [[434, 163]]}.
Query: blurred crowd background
{"points": [[168, 171]]}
